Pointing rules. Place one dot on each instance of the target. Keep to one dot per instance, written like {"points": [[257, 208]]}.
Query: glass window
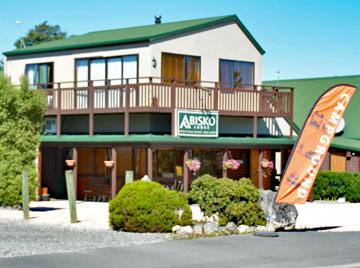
{"points": [[97, 72], [123, 161], [140, 162], [39, 75], [82, 72], [183, 69], [100, 156], [86, 161], [164, 163], [236, 74], [115, 69]]}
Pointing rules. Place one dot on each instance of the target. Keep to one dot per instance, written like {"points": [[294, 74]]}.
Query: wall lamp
{"points": [[153, 62]]}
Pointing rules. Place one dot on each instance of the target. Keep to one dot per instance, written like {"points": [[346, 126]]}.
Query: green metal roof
{"points": [[307, 92], [166, 139], [129, 35]]}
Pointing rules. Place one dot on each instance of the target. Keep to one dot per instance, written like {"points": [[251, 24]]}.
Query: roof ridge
{"points": [[166, 23], [131, 35]]}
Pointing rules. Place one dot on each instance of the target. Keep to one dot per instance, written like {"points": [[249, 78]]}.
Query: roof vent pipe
{"points": [[158, 19]]}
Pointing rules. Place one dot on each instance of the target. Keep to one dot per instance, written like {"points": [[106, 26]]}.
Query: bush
{"points": [[145, 206], [236, 201], [21, 121], [330, 185]]}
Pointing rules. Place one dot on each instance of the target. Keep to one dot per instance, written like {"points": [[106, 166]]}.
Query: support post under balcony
{"points": [[225, 158], [75, 169], [255, 128], [58, 112], [150, 163], [113, 173], [173, 99], [127, 108], [91, 109], [186, 172], [291, 112]]}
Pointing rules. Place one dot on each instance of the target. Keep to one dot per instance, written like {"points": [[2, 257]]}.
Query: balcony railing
{"points": [[149, 95], [153, 95]]}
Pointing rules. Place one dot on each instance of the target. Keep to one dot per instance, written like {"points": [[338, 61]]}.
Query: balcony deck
{"points": [[152, 95]]}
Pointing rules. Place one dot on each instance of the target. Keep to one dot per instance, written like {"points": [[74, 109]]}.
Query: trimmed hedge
{"points": [[145, 206], [233, 201], [330, 185]]}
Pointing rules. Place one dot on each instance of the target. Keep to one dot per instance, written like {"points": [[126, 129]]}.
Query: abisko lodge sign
{"points": [[197, 123]]}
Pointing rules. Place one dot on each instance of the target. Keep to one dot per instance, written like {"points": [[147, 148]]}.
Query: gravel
{"points": [[50, 231]]}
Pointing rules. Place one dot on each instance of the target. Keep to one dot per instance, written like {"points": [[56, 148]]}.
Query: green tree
{"points": [[41, 33], [21, 122]]}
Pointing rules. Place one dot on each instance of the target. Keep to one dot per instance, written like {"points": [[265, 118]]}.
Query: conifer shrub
{"points": [[330, 185], [236, 201], [21, 122], [145, 206]]}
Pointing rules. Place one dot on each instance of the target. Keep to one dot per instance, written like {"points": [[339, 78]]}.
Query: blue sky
{"points": [[308, 38]]}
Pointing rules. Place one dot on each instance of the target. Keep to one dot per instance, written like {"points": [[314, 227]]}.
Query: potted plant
{"points": [[231, 164], [266, 167], [70, 162], [194, 165], [109, 163]]}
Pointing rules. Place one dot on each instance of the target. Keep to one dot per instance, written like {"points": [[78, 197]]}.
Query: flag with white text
{"points": [[312, 144]]}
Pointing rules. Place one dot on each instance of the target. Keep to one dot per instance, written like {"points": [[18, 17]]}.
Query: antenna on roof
{"points": [[158, 19]]}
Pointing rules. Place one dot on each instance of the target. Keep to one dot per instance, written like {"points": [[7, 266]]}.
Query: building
{"points": [[123, 95], [344, 151]]}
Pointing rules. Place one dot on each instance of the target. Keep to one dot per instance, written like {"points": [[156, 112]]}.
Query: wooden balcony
{"points": [[152, 95]]}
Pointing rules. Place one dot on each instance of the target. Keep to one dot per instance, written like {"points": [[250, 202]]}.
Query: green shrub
{"points": [[330, 185], [236, 201], [145, 206], [21, 121]]}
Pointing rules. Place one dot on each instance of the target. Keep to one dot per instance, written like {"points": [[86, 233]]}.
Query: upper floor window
{"points": [[39, 75], [182, 69], [115, 69], [236, 74]]}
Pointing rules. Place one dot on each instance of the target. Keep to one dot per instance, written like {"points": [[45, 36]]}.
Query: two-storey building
{"points": [[149, 98]]}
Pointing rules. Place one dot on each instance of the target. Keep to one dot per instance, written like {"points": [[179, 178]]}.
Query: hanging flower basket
{"points": [[266, 167], [194, 165], [231, 164], [70, 162], [109, 163], [265, 163]]}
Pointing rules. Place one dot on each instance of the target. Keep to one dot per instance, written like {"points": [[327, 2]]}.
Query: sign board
{"points": [[129, 176], [197, 123]]}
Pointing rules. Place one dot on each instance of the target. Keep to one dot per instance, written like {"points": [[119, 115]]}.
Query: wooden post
{"points": [[39, 173], [186, 172], [150, 163], [58, 112], [91, 109], [255, 127], [173, 99], [127, 108], [291, 112], [216, 96], [71, 195], [261, 182], [75, 170], [225, 158], [25, 194], [113, 174]]}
